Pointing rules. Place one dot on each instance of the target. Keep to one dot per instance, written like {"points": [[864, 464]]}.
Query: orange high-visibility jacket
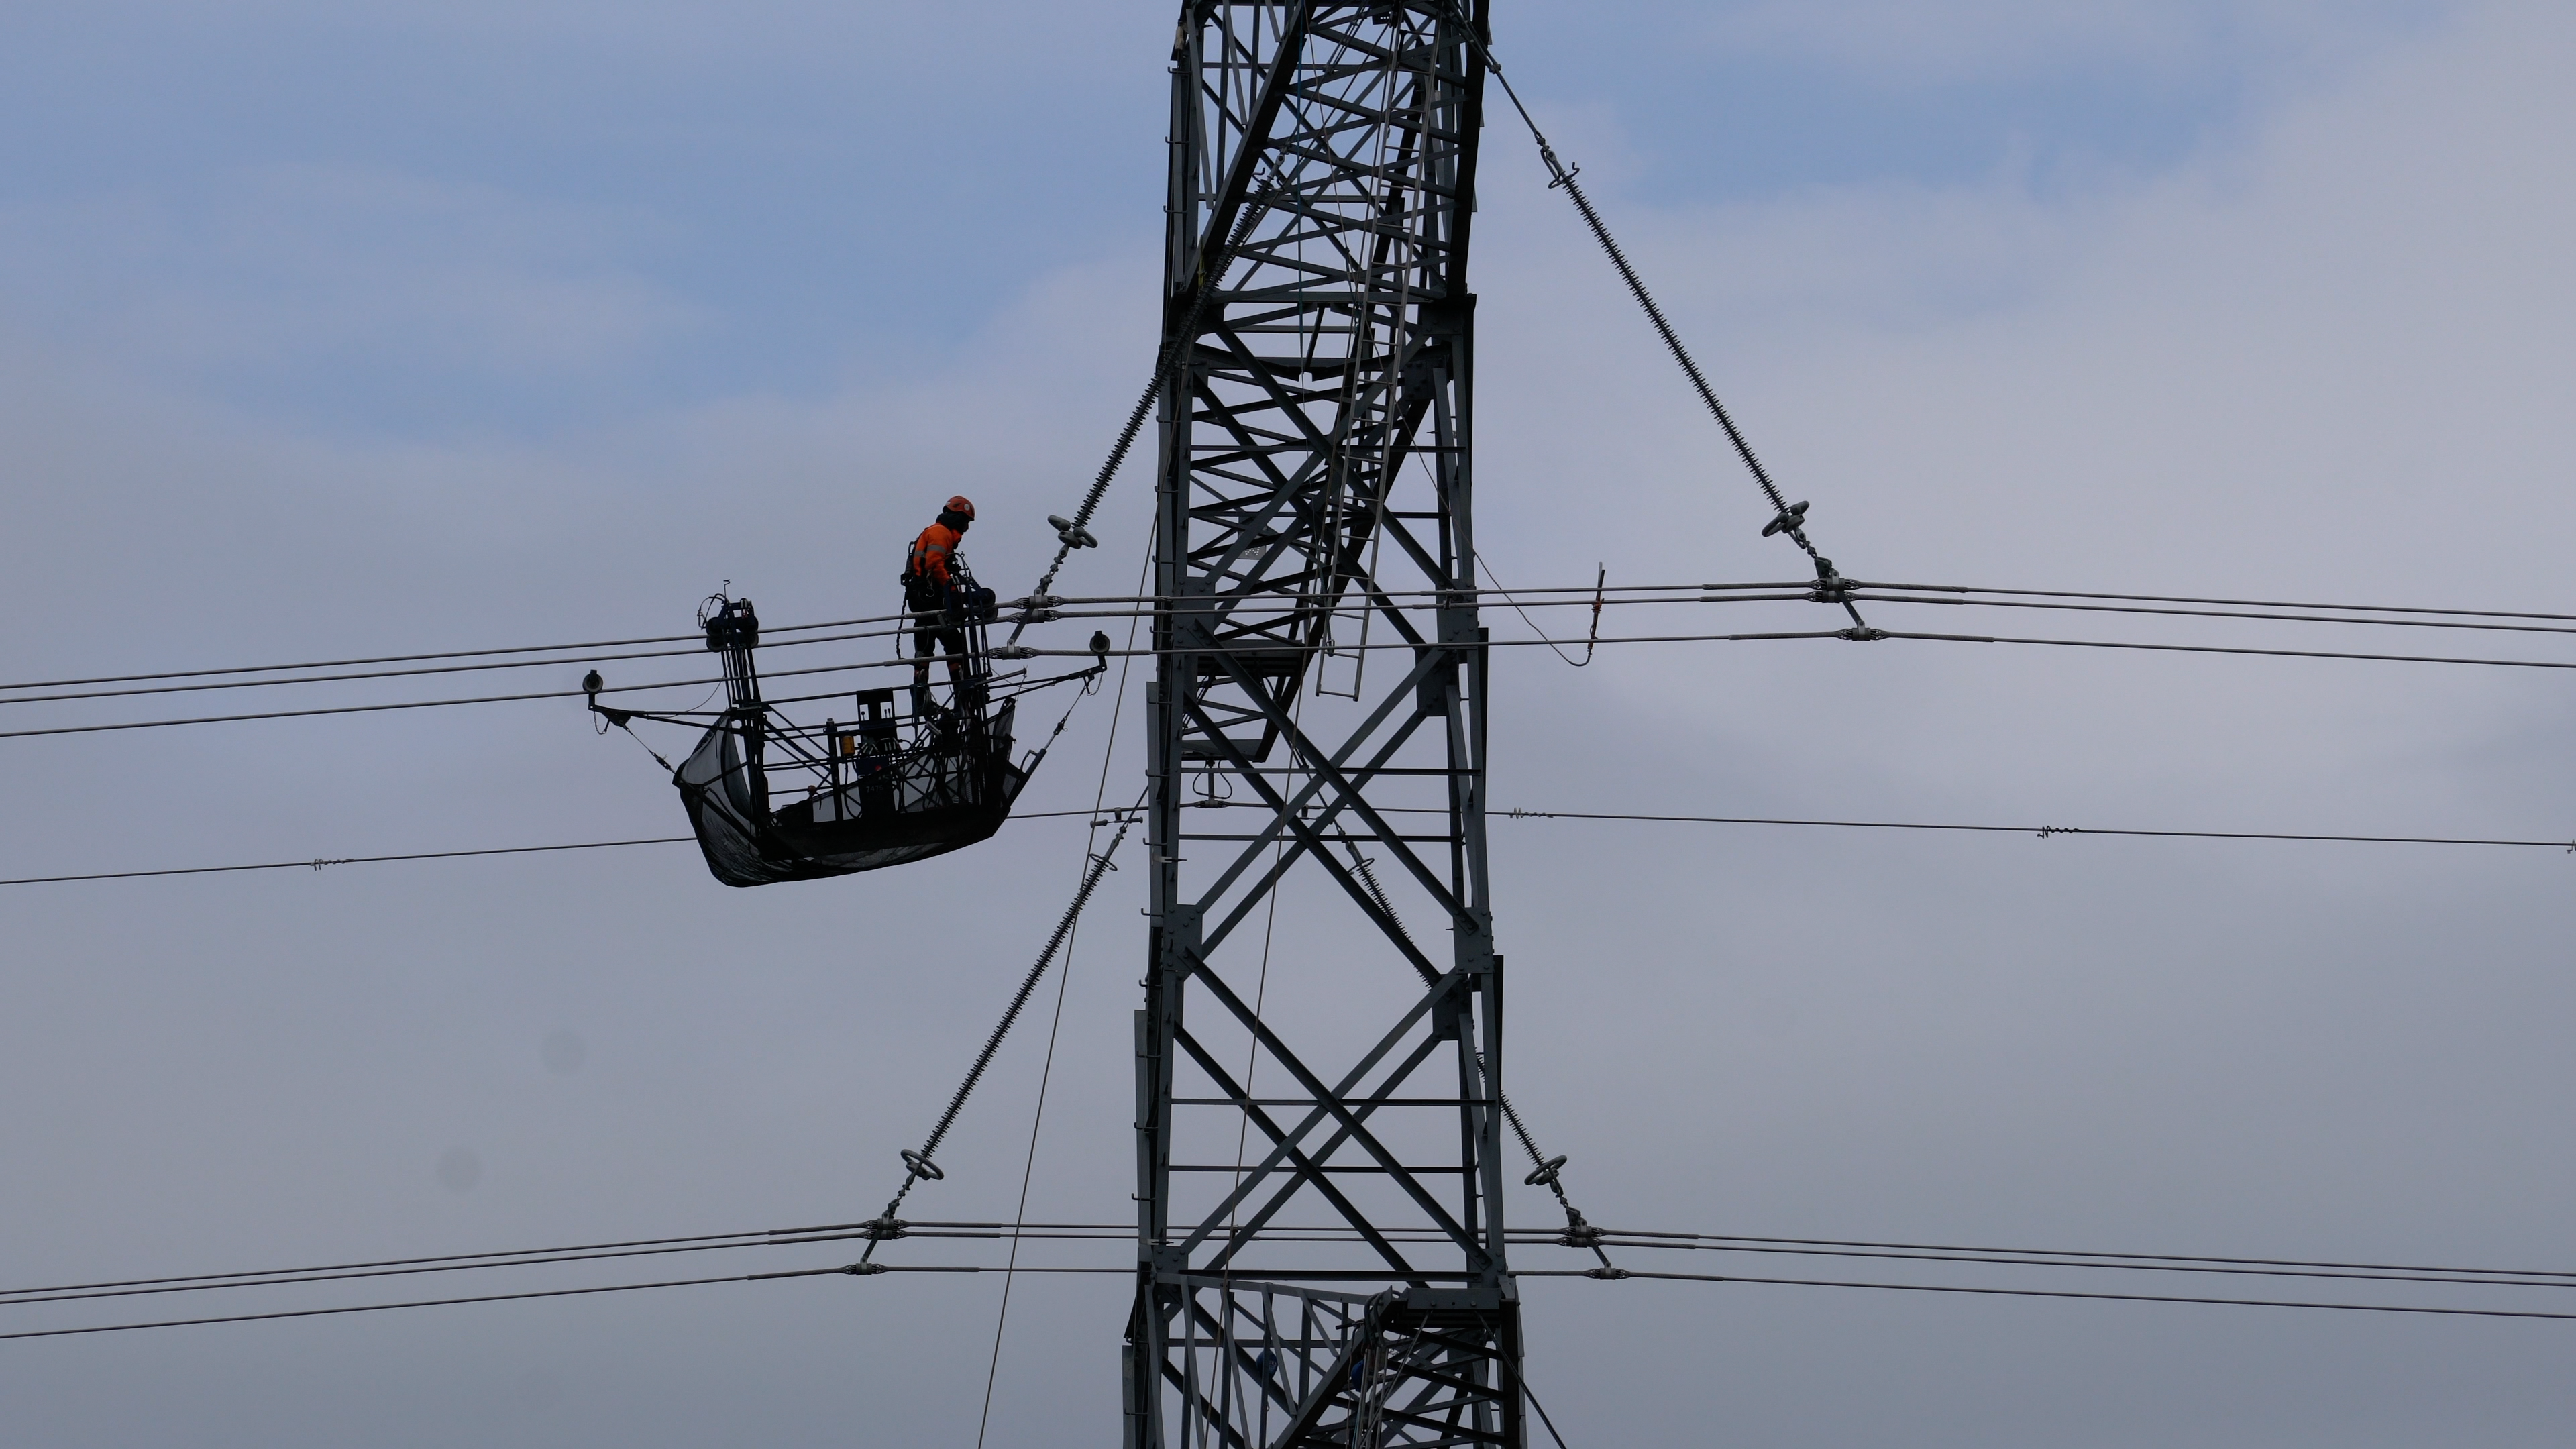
{"points": [[930, 554]]}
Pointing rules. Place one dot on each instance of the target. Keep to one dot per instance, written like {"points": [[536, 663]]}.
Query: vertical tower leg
{"points": [[1320, 1246]]}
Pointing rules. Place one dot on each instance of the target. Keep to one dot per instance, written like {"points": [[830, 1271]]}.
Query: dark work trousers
{"points": [[931, 632]]}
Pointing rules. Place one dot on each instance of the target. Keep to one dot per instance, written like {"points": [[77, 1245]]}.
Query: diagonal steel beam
{"points": [[1326, 1103], [1332, 1101], [1309, 1170]]}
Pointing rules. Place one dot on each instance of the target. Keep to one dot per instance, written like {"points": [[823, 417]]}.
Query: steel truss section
{"points": [[1313, 486]]}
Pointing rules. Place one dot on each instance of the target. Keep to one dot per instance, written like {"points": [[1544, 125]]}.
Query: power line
{"points": [[321, 862], [2175, 1258], [2125, 1263], [1151, 599], [416, 658], [877, 1231], [509, 698], [1855, 634], [598, 1252], [582, 648], [148, 724], [2043, 831], [401, 1268], [826, 1232], [1802, 587], [867, 1270], [2167, 612], [1873, 634], [1119, 812], [1867, 636], [1655, 594], [871, 1269], [433, 669], [1643, 1238], [2049, 1293], [210, 1283], [2236, 603], [1284, 1233], [420, 1303]]}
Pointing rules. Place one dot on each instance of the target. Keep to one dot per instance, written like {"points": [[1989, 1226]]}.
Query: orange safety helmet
{"points": [[959, 504]]}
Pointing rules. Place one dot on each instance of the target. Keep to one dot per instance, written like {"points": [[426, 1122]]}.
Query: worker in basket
{"points": [[940, 595]]}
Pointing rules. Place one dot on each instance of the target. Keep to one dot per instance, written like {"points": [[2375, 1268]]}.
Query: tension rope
{"points": [[1046, 1070], [919, 1164]]}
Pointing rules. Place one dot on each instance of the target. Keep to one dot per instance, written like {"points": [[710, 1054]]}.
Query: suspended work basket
{"points": [[771, 800]]}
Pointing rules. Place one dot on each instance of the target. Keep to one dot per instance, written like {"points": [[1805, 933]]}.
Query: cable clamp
{"points": [[1861, 636], [1580, 1235], [862, 1270], [1033, 616], [880, 1229], [1014, 651], [1607, 1273]]}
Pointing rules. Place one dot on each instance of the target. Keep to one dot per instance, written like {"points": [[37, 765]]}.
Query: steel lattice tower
{"points": [[1322, 672]]}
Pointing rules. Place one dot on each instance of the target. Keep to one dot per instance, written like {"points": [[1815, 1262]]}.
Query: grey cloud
{"points": [[2275, 371]]}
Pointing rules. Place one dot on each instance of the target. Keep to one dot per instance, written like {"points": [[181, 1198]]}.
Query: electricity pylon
{"points": [[1322, 673]]}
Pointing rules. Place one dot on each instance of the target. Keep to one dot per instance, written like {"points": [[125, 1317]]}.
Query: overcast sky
{"points": [[363, 329]]}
